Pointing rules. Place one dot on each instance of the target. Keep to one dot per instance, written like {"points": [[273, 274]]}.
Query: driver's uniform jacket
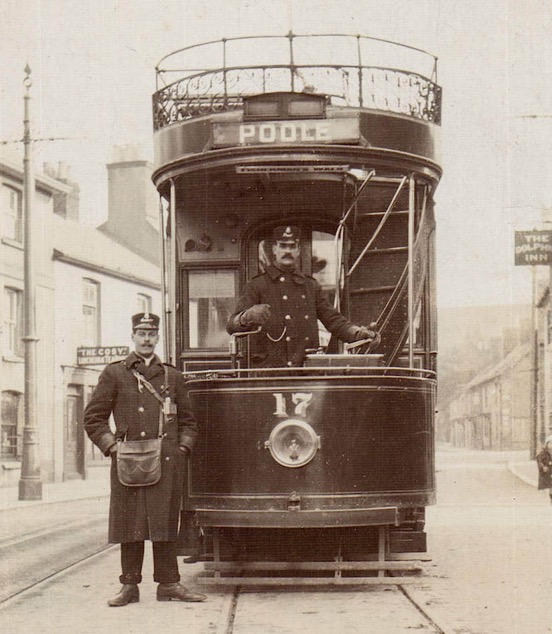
{"points": [[296, 303]]}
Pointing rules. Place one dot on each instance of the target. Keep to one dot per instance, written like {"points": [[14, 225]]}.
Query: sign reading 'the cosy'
{"points": [[533, 247], [100, 355]]}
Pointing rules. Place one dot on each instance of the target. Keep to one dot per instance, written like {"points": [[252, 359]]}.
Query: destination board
{"points": [[341, 130]]}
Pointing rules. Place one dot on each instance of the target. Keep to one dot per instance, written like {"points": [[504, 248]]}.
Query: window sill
{"points": [[12, 465], [13, 243], [13, 359]]}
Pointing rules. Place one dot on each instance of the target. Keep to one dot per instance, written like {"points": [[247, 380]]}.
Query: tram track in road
{"points": [[4, 600], [36, 544], [440, 628], [390, 609]]}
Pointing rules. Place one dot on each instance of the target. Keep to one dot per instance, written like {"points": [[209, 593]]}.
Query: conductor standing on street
{"points": [[139, 513], [286, 303]]}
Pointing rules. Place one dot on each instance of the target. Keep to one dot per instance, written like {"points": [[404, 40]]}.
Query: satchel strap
{"points": [[149, 387]]}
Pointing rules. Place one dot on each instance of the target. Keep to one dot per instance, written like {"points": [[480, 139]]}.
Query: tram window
{"points": [[324, 271], [211, 301], [418, 327]]}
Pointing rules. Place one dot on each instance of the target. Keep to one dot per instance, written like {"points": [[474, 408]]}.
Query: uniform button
{"points": [[284, 296], [303, 296], [282, 279], [289, 363], [142, 433], [167, 458], [288, 317], [140, 409], [307, 338], [165, 435], [306, 316], [288, 338]]}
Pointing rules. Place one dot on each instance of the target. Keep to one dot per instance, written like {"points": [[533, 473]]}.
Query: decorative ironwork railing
{"points": [[201, 91]]}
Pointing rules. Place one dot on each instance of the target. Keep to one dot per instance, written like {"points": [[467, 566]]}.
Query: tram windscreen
{"points": [[211, 301], [324, 271]]}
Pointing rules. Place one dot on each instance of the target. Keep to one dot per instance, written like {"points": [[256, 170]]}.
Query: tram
{"points": [[321, 472]]}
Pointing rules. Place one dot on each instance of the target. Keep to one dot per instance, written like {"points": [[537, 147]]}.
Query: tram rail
{"points": [[407, 605]]}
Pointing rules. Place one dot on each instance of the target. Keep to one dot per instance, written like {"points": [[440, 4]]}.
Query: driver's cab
{"points": [[211, 290], [318, 259]]}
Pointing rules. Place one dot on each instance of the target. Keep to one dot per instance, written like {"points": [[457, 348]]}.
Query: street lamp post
{"points": [[30, 483]]}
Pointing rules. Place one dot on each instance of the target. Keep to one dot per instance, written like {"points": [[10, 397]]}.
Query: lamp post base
{"points": [[30, 489]]}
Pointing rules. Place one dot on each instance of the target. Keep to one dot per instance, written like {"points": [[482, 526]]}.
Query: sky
{"points": [[93, 75]]}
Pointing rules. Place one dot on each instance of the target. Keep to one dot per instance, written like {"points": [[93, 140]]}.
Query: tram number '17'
{"points": [[301, 400]]}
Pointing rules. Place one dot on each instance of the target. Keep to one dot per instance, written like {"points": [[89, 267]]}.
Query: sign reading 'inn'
{"points": [[100, 355], [533, 247]]}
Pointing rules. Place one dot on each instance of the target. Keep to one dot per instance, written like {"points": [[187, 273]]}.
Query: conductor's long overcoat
{"points": [[152, 512]]}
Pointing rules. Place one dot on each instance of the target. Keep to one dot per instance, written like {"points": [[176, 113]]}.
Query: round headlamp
{"points": [[293, 443]]}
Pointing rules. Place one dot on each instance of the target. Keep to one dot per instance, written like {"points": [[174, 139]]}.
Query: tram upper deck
{"points": [[368, 92], [346, 149]]}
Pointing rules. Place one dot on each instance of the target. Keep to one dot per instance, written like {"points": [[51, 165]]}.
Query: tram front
{"points": [[333, 458]]}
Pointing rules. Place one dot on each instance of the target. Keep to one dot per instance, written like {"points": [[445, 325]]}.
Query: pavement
{"points": [[95, 487], [525, 470]]}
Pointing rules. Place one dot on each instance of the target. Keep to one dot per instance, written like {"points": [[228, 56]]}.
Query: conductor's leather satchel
{"points": [[139, 462]]}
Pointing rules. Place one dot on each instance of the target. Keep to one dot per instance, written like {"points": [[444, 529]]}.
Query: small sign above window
{"points": [[100, 355]]}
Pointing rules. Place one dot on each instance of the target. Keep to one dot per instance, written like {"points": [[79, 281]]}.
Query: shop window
{"points": [[211, 301]]}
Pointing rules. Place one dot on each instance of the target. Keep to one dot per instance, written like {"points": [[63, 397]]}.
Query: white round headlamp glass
{"points": [[293, 443]]}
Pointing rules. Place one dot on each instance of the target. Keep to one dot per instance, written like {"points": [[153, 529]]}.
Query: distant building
{"points": [[472, 338], [493, 410], [131, 192], [88, 284]]}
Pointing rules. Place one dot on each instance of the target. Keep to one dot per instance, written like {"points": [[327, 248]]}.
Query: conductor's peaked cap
{"points": [[145, 321]]}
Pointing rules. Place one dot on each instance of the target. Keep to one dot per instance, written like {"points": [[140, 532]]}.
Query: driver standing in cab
{"points": [[286, 303]]}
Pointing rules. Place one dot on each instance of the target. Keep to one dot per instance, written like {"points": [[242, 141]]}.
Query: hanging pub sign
{"points": [[100, 355], [533, 247]]}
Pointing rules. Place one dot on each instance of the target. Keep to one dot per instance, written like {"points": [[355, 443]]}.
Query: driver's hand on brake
{"points": [[257, 315]]}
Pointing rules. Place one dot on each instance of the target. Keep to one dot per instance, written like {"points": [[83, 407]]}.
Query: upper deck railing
{"points": [[358, 71]]}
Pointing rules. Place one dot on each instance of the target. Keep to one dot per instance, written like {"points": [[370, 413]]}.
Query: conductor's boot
{"points": [[177, 592], [129, 593]]}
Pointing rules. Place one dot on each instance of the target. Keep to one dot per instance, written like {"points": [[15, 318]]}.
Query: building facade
{"points": [[493, 410], [87, 286]]}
